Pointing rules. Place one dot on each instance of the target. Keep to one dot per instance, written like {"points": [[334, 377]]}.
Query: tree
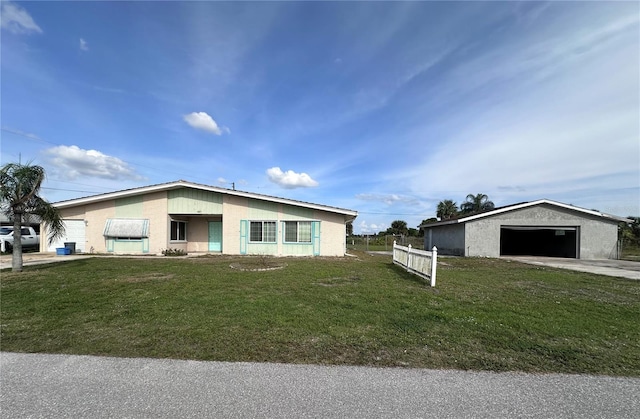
{"points": [[398, 227], [630, 232], [413, 232], [349, 227], [476, 203], [446, 209], [19, 188]]}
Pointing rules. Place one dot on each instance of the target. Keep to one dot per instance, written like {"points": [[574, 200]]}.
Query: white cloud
{"points": [[290, 179], [84, 46], [72, 162], [366, 228], [202, 120], [16, 20], [388, 199]]}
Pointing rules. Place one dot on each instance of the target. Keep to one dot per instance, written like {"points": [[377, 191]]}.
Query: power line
{"points": [[69, 190]]}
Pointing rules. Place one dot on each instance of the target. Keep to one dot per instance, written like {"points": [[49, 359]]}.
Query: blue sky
{"points": [[386, 108]]}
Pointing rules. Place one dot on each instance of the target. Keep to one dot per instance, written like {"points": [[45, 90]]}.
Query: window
{"points": [[262, 231], [297, 231], [178, 230]]}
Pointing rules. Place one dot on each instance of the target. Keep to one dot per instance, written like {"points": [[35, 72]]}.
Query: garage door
{"points": [[74, 232], [539, 241]]}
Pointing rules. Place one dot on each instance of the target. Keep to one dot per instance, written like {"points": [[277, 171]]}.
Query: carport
{"points": [[548, 241]]}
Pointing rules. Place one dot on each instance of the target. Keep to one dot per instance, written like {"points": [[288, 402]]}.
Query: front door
{"points": [[215, 236]]}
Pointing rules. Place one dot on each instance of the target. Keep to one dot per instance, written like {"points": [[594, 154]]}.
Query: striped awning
{"points": [[126, 227]]}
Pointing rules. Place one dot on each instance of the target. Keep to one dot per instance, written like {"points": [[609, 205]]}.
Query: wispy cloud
{"points": [[388, 199], [73, 162], [22, 133], [202, 121], [537, 112], [365, 227], [17, 20], [84, 46], [290, 179]]}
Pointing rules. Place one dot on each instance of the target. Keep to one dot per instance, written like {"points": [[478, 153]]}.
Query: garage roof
{"points": [[526, 205]]}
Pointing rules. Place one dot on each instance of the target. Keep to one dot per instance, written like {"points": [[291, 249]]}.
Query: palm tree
{"points": [[476, 203], [398, 227], [447, 209], [19, 188]]}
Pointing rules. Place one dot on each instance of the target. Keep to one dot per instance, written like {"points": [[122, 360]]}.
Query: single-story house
{"points": [[537, 228], [200, 218]]}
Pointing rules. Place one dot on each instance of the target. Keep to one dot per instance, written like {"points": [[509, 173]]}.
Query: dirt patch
{"points": [[257, 266], [337, 281]]}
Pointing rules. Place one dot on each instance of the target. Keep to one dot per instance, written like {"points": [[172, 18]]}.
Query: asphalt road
{"points": [[53, 386]]}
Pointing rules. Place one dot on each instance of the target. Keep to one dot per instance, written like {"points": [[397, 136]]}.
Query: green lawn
{"points": [[484, 314], [631, 252]]}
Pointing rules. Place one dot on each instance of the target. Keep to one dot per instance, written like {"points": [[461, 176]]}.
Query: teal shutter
{"points": [[315, 237], [243, 237], [109, 240]]}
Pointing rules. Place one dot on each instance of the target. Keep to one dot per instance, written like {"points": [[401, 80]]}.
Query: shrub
{"points": [[174, 252]]}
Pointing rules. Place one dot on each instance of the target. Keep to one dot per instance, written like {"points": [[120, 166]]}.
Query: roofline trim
{"points": [[526, 205], [184, 184]]}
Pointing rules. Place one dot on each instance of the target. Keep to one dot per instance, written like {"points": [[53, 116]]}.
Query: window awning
{"points": [[126, 227]]}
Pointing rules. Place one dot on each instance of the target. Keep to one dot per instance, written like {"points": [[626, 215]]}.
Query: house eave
{"points": [[528, 205], [350, 214]]}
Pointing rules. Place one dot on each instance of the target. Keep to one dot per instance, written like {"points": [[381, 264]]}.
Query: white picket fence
{"points": [[419, 262]]}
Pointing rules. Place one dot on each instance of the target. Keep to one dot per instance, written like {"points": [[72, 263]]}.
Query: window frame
{"points": [[297, 224], [263, 232], [177, 238]]}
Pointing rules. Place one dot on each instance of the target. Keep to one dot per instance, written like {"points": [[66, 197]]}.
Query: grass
{"points": [[631, 252], [484, 314]]}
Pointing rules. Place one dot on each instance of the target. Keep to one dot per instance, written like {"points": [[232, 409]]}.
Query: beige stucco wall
{"points": [[198, 233], [94, 216], [154, 207], [333, 239], [234, 210]]}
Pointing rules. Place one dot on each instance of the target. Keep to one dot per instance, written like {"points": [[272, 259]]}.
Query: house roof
{"points": [[522, 205], [184, 184]]}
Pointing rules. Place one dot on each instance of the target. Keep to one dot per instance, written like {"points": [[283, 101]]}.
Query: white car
{"points": [[29, 239]]}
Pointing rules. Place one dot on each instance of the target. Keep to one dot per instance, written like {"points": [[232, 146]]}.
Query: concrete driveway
{"points": [[36, 258], [618, 268], [39, 385]]}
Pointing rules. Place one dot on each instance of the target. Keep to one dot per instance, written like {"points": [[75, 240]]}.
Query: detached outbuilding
{"points": [[537, 228], [201, 218]]}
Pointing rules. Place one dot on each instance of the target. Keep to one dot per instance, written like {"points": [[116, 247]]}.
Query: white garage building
{"points": [[537, 228]]}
